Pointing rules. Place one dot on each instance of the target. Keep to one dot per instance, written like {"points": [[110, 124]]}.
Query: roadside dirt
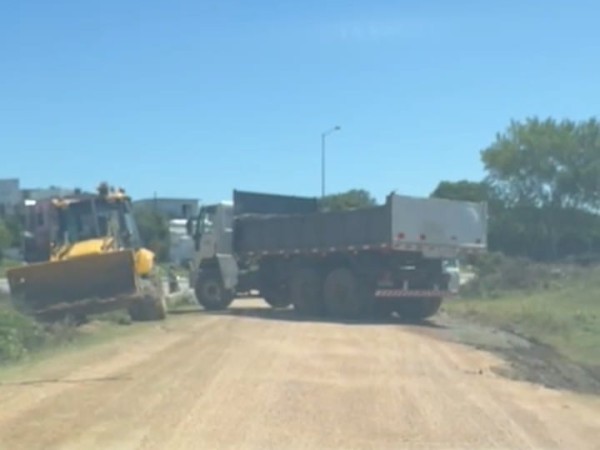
{"points": [[258, 379], [526, 360]]}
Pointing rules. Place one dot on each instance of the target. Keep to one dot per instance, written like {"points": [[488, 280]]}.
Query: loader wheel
{"points": [[343, 296], [147, 310], [211, 293], [152, 305], [418, 309], [305, 292]]}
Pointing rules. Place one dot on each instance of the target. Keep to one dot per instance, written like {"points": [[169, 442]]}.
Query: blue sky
{"points": [[195, 98]]}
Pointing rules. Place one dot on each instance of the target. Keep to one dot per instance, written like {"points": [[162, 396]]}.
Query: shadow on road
{"points": [[289, 315]]}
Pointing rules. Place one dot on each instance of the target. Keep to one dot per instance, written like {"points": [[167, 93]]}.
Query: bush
{"points": [[5, 238], [19, 334], [496, 273], [118, 317]]}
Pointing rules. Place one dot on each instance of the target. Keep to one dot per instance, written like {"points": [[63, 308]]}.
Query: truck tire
{"points": [[418, 309], [277, 299], [211, 293], [343, 295], [305, 292]]}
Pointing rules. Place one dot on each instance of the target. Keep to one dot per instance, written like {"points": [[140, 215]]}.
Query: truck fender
{"points": [[229, 271]]}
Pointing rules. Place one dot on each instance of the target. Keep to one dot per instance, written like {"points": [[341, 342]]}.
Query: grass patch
{"points": [[181, 300], [6, 264], [180, 271], [22, 337], [562, 310], [68, 347], [118, 317]]}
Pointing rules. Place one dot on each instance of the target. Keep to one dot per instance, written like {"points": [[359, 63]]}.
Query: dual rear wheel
{"points": [[338, 295], [343, 294]]}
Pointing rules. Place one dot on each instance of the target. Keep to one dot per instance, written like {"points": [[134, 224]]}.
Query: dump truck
{"points": [[348, 264], [87, 257]]}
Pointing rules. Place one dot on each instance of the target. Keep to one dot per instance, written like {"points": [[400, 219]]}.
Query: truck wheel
{"points": [[382, 311], [276, 300], [418, 309], [277, 295], [211, 293], [305, 292], [343, 296]]}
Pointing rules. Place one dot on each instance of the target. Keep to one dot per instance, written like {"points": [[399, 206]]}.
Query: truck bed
{"points": [[435, 227]]}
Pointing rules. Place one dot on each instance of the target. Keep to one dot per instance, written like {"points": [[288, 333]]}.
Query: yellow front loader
{"points": [[97, 263]]}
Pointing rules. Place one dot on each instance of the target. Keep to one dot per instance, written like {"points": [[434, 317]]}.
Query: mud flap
{"points": [[63, 285]]}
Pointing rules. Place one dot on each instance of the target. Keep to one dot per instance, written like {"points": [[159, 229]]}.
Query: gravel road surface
{"points": [[255, 379]]}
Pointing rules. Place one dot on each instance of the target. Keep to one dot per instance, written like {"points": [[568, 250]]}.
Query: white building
{"points": [[181, 245], [173, 208]]}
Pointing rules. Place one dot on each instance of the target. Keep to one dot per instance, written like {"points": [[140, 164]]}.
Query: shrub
{"points": [[19, 334], [496, 273]]}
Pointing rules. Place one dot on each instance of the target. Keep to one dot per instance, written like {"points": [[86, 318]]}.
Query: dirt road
{"points": [[254, 379]]}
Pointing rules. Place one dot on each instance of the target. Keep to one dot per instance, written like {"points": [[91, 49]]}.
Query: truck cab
{"points": [[213, 231], [213, 271]]}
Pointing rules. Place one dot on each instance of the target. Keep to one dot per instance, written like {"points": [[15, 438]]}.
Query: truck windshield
{"points": [[205, 222]]}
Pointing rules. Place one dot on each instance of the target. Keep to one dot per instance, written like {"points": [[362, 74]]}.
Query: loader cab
{"points": [[213, 231], [95, 217]]}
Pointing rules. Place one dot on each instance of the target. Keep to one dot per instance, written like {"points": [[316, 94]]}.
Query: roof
{"points": [[166, 199]]}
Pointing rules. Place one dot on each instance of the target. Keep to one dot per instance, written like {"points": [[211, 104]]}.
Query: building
{"points": [[173, 208], [10, 196], [38, 194], [181, 245]]}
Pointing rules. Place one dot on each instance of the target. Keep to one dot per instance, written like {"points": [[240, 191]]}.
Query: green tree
{"points": [[471, 191], [5, 238], [543, 179], [352, 199], [154, 231], [546, 164], [15, 228]]}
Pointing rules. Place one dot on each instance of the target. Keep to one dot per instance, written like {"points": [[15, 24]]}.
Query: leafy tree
{"points": [[546, 164], [547, 176], [471, 191], [15, 228], [154, 231], [352, 199], [5, 238], [542, 188]]}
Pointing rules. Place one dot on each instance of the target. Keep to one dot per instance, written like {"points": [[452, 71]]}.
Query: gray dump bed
{"points": [[437, 228]]}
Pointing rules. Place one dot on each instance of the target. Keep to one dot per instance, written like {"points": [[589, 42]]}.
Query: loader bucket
{"points": [[81, 283]]}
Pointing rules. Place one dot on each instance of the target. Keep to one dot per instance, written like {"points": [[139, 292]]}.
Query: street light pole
{"points": [[323, 136]]}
